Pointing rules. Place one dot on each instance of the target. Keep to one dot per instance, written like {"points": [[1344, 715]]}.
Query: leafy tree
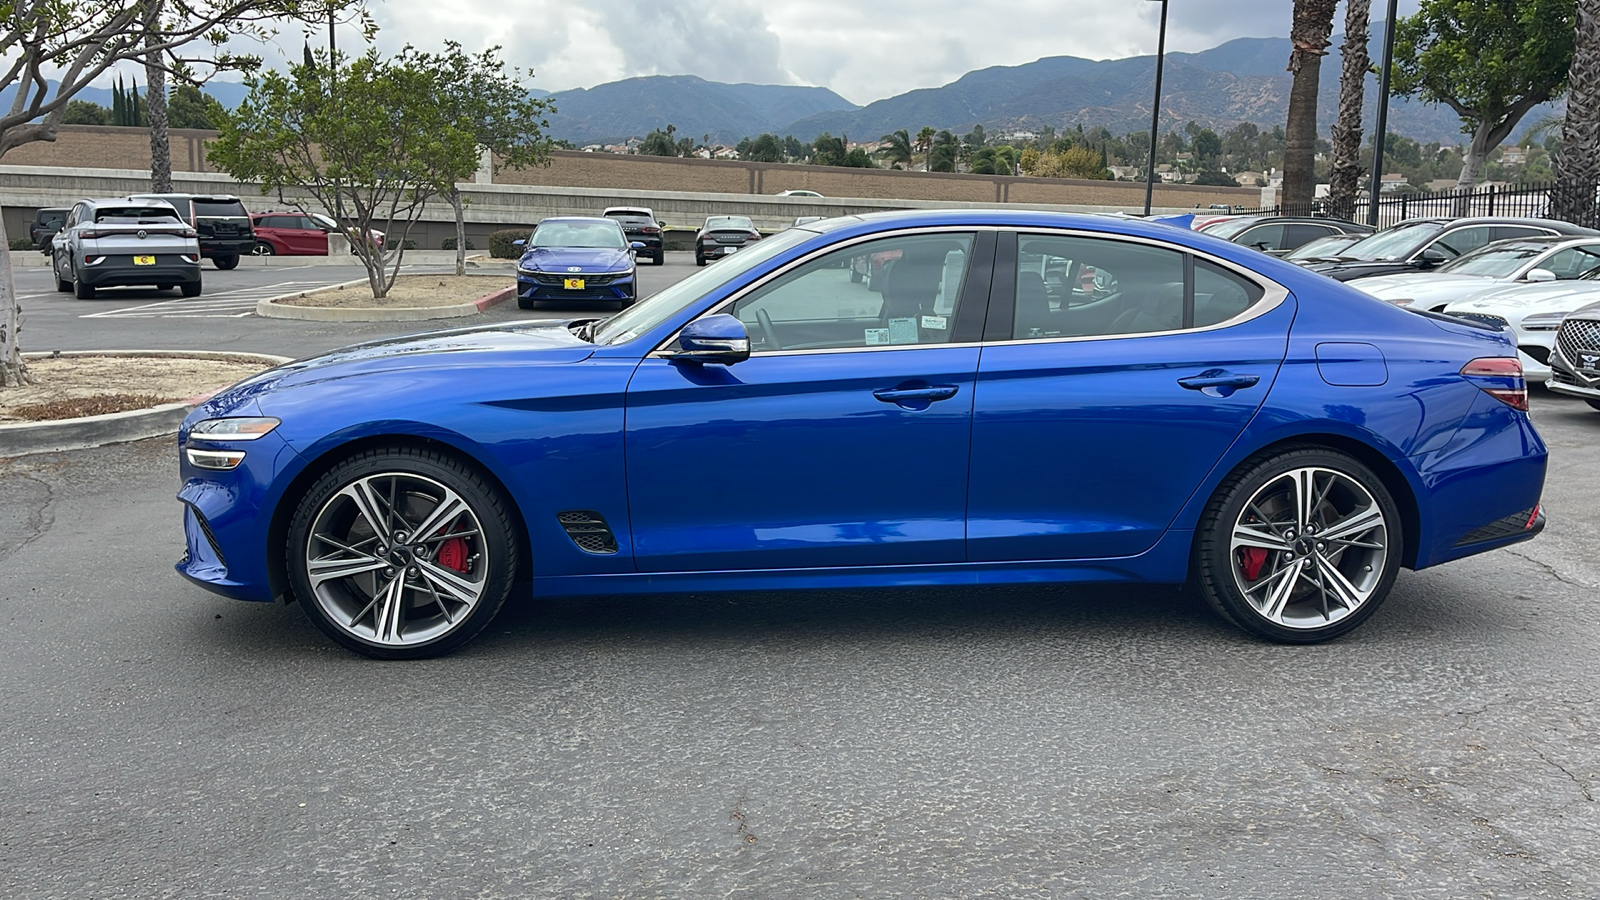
{"points": [[1491, 62], [1578, 166], [924, 142], [76, 42], [897, 149], [85, 112], [1207, 148], [377, 137], [1345, 171], [765, 147], [491, 104], [1308, 35], [1073, 162], [946, 148], [1215, 178], [793, 149], [828, 150], [660, 143], [858, 159], [188, 107]]}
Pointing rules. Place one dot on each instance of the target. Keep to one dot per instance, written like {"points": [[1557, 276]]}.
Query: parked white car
{"points": [[1517, 261], [1533, 312]]}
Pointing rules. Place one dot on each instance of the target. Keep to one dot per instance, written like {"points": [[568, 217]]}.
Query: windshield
{"points": [[1398, 242], [1497, 261], [1325, 246], [714, 222], [658, 307], [591, 235], [1228, 228]]}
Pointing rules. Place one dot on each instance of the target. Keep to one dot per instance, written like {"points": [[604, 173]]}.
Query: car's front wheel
{"points": [[1299, 547], [62, 285], [401, 553]]}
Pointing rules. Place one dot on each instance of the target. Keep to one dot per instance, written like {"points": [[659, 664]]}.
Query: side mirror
{"points": [[636, 245], [1433, 256], [520, 243], [720, 339], [1540, 275], [661, 223]]}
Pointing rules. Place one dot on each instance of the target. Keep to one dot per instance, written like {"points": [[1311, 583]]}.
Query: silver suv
{"points": [[122, 243]]}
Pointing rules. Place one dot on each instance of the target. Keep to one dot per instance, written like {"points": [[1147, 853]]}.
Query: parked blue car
{"points": [[1026, 397], [577, 258]]}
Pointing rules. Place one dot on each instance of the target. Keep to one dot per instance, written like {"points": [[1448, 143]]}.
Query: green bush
{"points": [[450, 244], [500, 242], [22, 243]]}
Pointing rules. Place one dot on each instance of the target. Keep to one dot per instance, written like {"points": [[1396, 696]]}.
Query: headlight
{"points": [[1397, 301], [242, 428], [522, 271], [1549, 321]]}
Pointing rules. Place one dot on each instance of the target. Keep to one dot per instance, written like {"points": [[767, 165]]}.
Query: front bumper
{"points": [[546, 288], [226, 515], [119, 271]]}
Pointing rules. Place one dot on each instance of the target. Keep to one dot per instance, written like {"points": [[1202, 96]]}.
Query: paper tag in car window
{"points": [[903, 331], [934, 323], [877, 335]]}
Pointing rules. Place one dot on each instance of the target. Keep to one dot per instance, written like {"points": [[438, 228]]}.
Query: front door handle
{"points": [[1218, 382], [916, 396]]}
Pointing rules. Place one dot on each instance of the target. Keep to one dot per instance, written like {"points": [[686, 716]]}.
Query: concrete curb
{"points": [[113, 428], [271, 309]]}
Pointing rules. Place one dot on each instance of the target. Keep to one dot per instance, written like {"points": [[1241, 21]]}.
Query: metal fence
{"points": [[1533, 200]]}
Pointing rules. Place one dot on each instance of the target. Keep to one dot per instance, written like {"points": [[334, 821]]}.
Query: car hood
{"points": [[523, 344], [1557, 295], [1406, 284], [575, 260]]}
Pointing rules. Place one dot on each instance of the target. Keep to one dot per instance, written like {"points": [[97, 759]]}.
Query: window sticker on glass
{"points": [[877, 336], [934, 323], [903, 331]]}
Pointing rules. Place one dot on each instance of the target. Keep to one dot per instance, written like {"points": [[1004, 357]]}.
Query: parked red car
{"points": [[288, 234]]}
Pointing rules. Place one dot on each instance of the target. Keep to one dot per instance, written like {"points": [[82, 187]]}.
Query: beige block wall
{"points": [[107, 147]]}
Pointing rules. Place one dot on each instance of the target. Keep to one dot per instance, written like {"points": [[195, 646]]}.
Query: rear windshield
{"points": [[52, 217], [743, 222], [219, 208], [135, 215]]}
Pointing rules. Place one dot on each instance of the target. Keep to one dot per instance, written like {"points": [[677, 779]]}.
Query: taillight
{"points": [[649, 231], [189, 232], [89, 234], [1501, 378]]}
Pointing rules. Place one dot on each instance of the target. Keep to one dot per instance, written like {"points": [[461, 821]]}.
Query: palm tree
{"points": [[1346, 168], [1308, 37], [1578, 165], [897, 148], [925, 144]]}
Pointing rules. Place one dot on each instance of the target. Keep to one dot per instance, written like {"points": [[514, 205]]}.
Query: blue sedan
{"points": [[577, 258], [1024, 397]]}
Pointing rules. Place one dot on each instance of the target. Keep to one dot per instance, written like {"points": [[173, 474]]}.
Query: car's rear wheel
{"points": [[262, 248], [62, 285], [401, 553], [699, 260], [191, 288], [1299, 547], [226, 262], [81, 290], [1593, 404]]}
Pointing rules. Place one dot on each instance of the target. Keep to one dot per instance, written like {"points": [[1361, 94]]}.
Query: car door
{"points": [[842, 441], [1096, 418], [311, 240]]}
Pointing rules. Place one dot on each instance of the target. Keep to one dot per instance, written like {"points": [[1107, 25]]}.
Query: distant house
{"points": [[1392, 182], [1011, 136], [1513, 156], [1129, 173], [1250, 179], [1442, 184]]}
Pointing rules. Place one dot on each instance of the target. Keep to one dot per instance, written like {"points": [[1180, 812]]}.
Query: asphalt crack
{"points": [[1550, 569], [38, 521], [1582, 786]]}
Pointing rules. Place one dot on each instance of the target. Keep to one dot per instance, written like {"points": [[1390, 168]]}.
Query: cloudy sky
{"points": [[863, 49]]}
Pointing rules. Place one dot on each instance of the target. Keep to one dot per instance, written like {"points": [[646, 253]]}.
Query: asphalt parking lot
{"points": [[998, 742]]}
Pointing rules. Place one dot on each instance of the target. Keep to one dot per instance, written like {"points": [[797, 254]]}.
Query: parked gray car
{"points": [[124, 243]]}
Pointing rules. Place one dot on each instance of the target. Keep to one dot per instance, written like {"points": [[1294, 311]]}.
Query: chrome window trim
{"points": [[1273, 296], [660, 350]]}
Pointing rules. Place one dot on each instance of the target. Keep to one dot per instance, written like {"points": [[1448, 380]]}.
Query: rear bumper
{"points": [[121, 272], [214, 247]]}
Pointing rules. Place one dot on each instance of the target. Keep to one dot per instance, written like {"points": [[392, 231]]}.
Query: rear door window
{"points": [[1301, 234], [1262, 237], [1464, 240]]}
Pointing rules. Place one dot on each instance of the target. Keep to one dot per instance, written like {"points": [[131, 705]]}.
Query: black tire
{"points": [[855, 276], [1593, 404], [1221, 570], [699, 260], [191, 288], [262, 248], [660, 257], [62, 285], [495, 542], [525, 303], [229, 261], [80, 290]]}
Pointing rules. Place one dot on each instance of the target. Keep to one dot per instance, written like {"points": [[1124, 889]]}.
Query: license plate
{"points": [[573, 284], [727, 250], [144, 260]]}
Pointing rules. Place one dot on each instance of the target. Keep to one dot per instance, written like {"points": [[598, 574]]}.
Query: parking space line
{"points": [[235, 303]]}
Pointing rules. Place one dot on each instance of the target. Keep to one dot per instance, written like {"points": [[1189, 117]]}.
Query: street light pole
{"points": [[1155, 110], [1380, 129]]}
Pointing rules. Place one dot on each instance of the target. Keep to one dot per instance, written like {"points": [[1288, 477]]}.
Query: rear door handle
{"points": [[1218, 382], [917, 397]]}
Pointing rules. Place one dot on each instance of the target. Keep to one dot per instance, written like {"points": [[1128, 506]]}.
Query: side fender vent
{"points": [[588, 529]]}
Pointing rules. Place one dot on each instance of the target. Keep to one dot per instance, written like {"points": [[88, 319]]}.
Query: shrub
{"points": [[450, 244], [500, 242], [22, 243]]}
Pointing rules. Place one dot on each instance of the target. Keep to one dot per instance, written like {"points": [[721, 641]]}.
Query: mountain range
{"points": [[1243, 80]]}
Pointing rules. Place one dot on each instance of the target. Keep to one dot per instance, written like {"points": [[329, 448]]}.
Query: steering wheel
{"points": [[769, 335]]}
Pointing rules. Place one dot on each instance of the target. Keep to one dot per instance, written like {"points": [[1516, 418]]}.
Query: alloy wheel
{"points": [[396, 559], [1309, 548]]}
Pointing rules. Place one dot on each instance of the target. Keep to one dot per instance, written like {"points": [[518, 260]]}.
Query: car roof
{"points": [[631, 210], [151, 200], [1553, 224], [1300, 220]]}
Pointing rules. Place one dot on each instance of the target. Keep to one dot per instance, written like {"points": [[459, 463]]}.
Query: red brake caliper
{"points": [[452, 554], [1251, 559]]}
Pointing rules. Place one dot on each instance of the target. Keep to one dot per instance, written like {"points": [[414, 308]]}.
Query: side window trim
{"points": [[1002, 300]]}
